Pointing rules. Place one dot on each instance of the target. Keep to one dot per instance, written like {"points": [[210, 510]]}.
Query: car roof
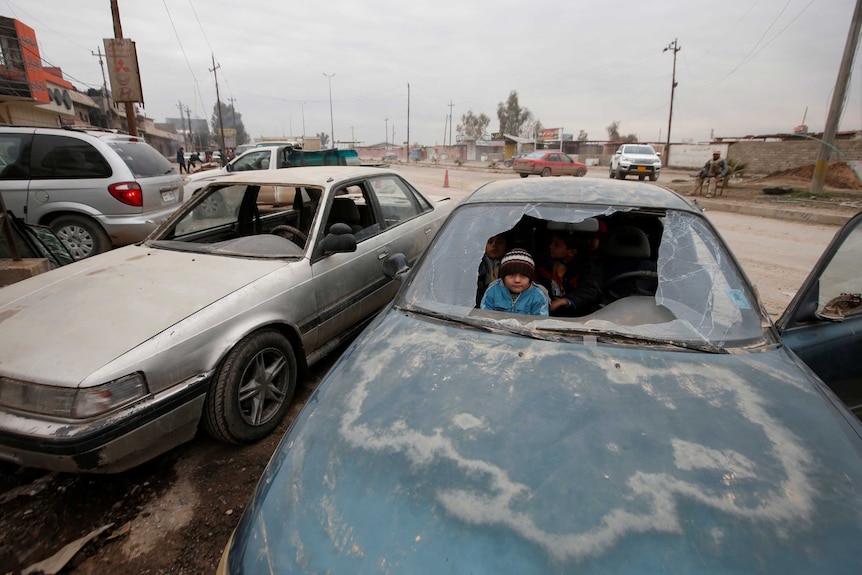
{"points": [[306, 176], [579, 191]]}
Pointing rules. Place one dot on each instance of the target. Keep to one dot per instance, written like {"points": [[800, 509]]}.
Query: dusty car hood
{"points": [[63, 325], [431, 448]]}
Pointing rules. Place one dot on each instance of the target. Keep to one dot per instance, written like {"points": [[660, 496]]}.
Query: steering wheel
{"points": [[631, 278], [290, 233]]}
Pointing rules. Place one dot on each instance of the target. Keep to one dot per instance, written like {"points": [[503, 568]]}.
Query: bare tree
{"points": [[473, 127], [324, 139], [582, 136]]}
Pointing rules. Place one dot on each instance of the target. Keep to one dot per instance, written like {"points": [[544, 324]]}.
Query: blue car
{"points": [[669, 428]]}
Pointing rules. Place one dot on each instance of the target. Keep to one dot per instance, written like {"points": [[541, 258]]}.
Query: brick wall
{"points": [[769, 157]]}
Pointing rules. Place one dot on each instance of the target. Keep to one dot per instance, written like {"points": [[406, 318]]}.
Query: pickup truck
{"points": [[271, 158]]}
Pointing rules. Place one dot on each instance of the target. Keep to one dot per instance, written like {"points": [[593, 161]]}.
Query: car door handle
{"points": [[429, 229], [383, 253]]}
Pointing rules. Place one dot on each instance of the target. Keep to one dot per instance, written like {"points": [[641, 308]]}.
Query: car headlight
{"points": [[624, 158], [71, 403]]}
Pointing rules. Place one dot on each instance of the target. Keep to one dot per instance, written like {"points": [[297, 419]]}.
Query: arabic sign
{"points": [[123, 70], [550, 134], [35, 75]]}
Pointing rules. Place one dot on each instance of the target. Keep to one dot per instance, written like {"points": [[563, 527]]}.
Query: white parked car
{"points": [[639, 160]]}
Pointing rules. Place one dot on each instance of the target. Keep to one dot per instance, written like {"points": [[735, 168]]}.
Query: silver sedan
{"points": [[112, 360]]}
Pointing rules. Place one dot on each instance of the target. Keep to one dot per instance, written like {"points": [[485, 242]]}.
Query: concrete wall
{"points": [[762, 157]]}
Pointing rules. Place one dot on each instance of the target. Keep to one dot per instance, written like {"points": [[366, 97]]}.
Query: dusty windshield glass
{"points": [[682, 285]]}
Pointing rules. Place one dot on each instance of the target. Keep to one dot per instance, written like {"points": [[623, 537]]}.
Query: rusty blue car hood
{"points": [[431, 448]]}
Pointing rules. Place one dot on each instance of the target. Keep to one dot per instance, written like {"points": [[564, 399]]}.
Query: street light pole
{"points": [[331, 123], [675, 47]]}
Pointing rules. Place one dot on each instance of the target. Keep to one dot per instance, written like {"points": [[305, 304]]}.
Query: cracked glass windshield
{"points": [[663, 275]]}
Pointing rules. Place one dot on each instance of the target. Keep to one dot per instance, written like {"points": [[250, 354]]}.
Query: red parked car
{"points": [[545, 163]]}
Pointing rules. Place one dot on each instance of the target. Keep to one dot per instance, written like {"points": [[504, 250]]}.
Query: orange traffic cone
{"points": [[446, 179]]}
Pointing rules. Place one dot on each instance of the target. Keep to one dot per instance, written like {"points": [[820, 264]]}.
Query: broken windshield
{"points": [[665, 274]]}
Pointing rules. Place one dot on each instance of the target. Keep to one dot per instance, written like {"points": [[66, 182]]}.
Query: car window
{"points": [[61, 157], [701, 296], [14, 156], [229, 220], [350, 205], [554, 158], [841, 280], [141, 158], [396, 200], [257, 160]]}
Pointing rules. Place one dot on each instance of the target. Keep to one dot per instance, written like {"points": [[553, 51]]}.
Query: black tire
{"points": [[621, 175], [82, 236], [252, 390], [546, 172], [580, 173], [653, 177], [641, 178], [611, 173], [523, 175]]}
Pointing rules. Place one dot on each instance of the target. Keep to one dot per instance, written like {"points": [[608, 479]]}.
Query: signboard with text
{"points": [[550, 134], [35, 75], [123, 70]]}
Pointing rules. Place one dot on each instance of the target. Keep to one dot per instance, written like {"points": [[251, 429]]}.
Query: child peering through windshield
{"points": [[515, 291]]}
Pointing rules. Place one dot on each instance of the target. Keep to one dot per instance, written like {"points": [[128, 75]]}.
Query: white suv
{"points": [[640, 160], [96, 190]]}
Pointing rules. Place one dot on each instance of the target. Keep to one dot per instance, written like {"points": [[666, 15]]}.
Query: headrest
{"points": [[344, 209], [588, 225], [628, 242]]}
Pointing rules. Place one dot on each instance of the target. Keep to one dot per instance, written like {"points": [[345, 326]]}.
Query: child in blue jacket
{"points": [[515, 291]]}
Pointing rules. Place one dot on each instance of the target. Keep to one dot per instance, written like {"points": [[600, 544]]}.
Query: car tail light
{"points": [[130, 193]]}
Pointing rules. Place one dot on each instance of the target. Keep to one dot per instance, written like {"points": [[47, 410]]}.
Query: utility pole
{"points": [[303, 123], [408, 122], [675, 47], [331, 123], [386, 134], [191, 139], [233, 117], [450, 122], [837, 105], [183, 124], [445, 125], [131, 119], [352, 138], [394, 143], [218, 104], [105, 104]]}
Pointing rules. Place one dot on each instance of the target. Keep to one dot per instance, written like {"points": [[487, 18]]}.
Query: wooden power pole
{"points": [[131, 119], [837, 105]]}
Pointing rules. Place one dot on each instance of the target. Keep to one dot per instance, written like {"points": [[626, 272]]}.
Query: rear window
{"points": [[142, 159]]}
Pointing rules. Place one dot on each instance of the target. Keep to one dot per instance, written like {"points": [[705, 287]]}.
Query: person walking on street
{"points": [[714, 170], [181, 160]]}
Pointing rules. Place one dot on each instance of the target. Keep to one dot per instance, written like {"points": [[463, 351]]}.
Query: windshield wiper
{"points": [[614, 336]]}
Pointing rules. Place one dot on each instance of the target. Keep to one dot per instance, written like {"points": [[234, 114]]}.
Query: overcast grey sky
{"points": [[745, 66]]}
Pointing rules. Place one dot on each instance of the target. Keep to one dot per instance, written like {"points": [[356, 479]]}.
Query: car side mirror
{"points": [[395, 266], [340, 239], [229, 167]]}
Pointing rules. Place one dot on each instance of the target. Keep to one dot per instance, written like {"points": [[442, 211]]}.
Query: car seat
{"points": [[628, 250], [344, 211]]}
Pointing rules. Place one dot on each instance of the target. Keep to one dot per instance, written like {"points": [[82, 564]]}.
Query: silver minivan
{"points": [[95, 189]]}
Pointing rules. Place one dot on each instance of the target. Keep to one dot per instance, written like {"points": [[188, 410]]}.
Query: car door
{"points": [[823, 323], [553, 161], [567, 166], [347, 285]]}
